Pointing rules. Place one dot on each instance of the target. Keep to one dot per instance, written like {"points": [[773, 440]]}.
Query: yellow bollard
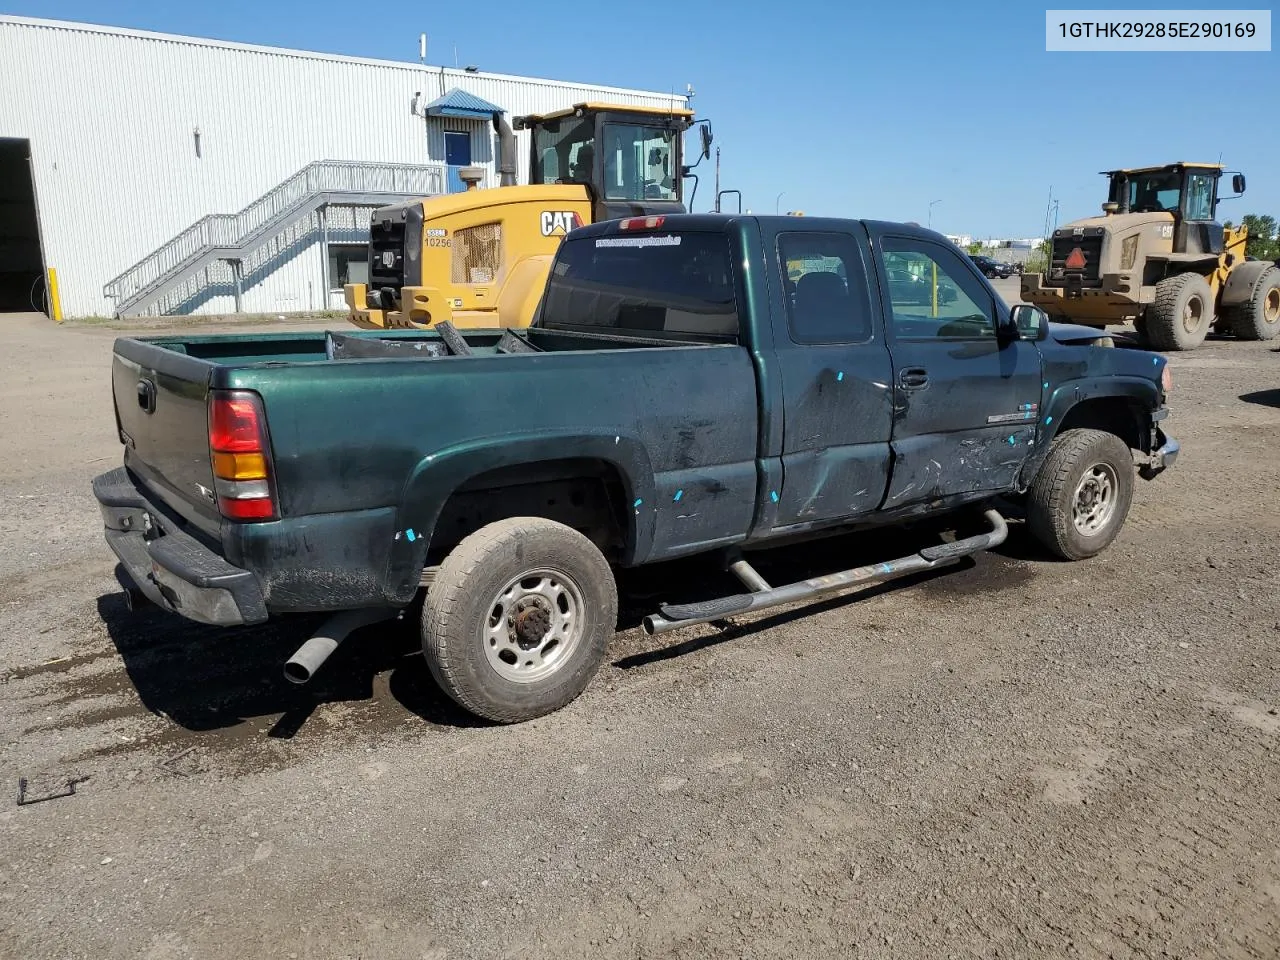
{"points": [[55, 301], [935, 288]]}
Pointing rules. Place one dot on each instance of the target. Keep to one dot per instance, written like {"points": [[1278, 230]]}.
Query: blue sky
{"points": [[853, 110]]}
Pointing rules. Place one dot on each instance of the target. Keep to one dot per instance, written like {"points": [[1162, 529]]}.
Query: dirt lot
{"points": [[1018, 758]]}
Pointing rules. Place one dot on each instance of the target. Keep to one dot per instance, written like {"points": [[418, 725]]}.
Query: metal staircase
{"points": [[180, 269]]}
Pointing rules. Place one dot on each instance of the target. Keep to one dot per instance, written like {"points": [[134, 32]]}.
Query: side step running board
{"points": [[672, 617]]}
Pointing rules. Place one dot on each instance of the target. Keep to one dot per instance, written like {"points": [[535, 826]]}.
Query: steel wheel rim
{"points": [[533, 626], [1271, 306], [1094, 502], [1192, 314]]}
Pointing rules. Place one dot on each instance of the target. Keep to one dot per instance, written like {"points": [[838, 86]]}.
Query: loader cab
{"points": [[629, 158], [1187, 191]]}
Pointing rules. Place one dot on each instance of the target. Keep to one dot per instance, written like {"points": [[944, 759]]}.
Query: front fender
{"points": [[439, 474], [1069, 394]]}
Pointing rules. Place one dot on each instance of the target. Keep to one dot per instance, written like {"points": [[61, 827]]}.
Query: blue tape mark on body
{"points": [[676, 498], [839, 376], [410, 535], [1048, 420], [1012, 440], [637, 503], [773, 495]]}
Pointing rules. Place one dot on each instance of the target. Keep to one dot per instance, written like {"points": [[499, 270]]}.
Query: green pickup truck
{"points": [[691, 383]]}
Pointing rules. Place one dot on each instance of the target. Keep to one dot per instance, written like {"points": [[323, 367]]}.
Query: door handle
{"points": [[913, 378], [147, 395]]}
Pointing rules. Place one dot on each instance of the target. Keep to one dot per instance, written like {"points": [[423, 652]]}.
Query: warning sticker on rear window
{"points": [[666, 241]]}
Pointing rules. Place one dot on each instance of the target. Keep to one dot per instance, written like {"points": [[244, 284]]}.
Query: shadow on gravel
{"points": [[217, 679], [1263, 398], [210, 678]]}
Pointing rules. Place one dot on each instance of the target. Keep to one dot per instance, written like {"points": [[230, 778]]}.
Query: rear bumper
{"points": [[1163, 457], [173, 569]]}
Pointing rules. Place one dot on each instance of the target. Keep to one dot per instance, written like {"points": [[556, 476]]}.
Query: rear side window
{"points": [[680, 284], [826, 288]]}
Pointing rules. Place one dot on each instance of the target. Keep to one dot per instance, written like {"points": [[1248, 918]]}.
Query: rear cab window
{"points": [[677, 284], [827, 299]]}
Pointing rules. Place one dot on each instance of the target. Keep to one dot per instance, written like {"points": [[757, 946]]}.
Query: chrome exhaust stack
{"points": [[311, 656]]}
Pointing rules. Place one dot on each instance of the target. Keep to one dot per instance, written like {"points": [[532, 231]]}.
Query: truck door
{"points": [[835, 372], [966, 400]]}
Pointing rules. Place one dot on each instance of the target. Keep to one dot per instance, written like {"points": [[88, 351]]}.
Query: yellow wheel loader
{"points": [[1158, 257], [480, 258]]}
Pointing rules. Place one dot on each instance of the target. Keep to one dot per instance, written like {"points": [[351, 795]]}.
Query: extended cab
{"points": [[691, 383]]}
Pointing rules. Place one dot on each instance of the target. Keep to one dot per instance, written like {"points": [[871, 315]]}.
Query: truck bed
{"points": [[365, 449]]}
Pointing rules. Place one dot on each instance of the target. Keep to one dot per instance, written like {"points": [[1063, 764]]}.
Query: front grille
{"points": [[1090, 245], [386, 254]]}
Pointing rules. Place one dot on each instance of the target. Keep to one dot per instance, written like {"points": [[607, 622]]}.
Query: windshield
{"points": [[565, 150], [639, 163], [1154, 192], [662, 283]]}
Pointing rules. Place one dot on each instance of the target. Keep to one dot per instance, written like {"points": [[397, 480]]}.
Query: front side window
{"points": [[564, 150], [1154, 193], [1200, 197], [639, 162], [932, 294]]}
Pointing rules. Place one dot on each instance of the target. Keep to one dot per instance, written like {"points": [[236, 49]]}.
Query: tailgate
{"points": [[161, 403]]}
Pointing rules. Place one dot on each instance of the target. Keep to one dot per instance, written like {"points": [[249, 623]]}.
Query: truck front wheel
{"points": [[1081, 496], [518, 618], [1180, 316]]}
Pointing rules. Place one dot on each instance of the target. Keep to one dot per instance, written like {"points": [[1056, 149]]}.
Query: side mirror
{"points": [[1237, 183], [1027, 323], [705, 132]]}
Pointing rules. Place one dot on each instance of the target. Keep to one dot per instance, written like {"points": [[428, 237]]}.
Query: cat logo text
{"points": [[559, 222]]}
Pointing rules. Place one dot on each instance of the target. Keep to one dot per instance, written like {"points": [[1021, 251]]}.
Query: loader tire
{"points": [[1258, 318], [1080, 498], [1180, 316], [518, 618]]}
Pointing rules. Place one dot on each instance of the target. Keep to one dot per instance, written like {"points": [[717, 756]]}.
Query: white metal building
{"points": [[159, 173]]}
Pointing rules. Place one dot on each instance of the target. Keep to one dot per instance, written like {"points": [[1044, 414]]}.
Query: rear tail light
{"points": [[641, 223], [241, 456]]}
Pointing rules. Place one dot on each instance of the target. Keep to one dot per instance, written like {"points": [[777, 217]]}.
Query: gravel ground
{"points": [[1015, 758]]}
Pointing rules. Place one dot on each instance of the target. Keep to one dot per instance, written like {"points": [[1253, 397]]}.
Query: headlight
{"points": [[1129, 252]]}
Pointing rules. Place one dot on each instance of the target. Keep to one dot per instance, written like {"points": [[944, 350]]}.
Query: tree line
{"points": [[1263, 241]]}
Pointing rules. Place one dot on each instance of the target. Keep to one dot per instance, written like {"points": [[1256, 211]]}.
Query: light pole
{"points": [[931, 205], [777, 200]]}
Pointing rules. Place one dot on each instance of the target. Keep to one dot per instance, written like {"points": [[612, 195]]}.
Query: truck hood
{"points": [[1116, 222], [1077, 335]]}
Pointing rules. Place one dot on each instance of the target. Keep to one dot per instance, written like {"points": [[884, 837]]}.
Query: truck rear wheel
{"points": [[518, 618], [1258, 318], [1080, 498], [1181, 314]]}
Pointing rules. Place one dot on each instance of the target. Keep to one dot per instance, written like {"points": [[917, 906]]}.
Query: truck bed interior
{"points": [[317, 346]]}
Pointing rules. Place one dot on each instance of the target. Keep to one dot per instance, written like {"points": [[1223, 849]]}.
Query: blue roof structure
{"points": [[459, 103]]}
